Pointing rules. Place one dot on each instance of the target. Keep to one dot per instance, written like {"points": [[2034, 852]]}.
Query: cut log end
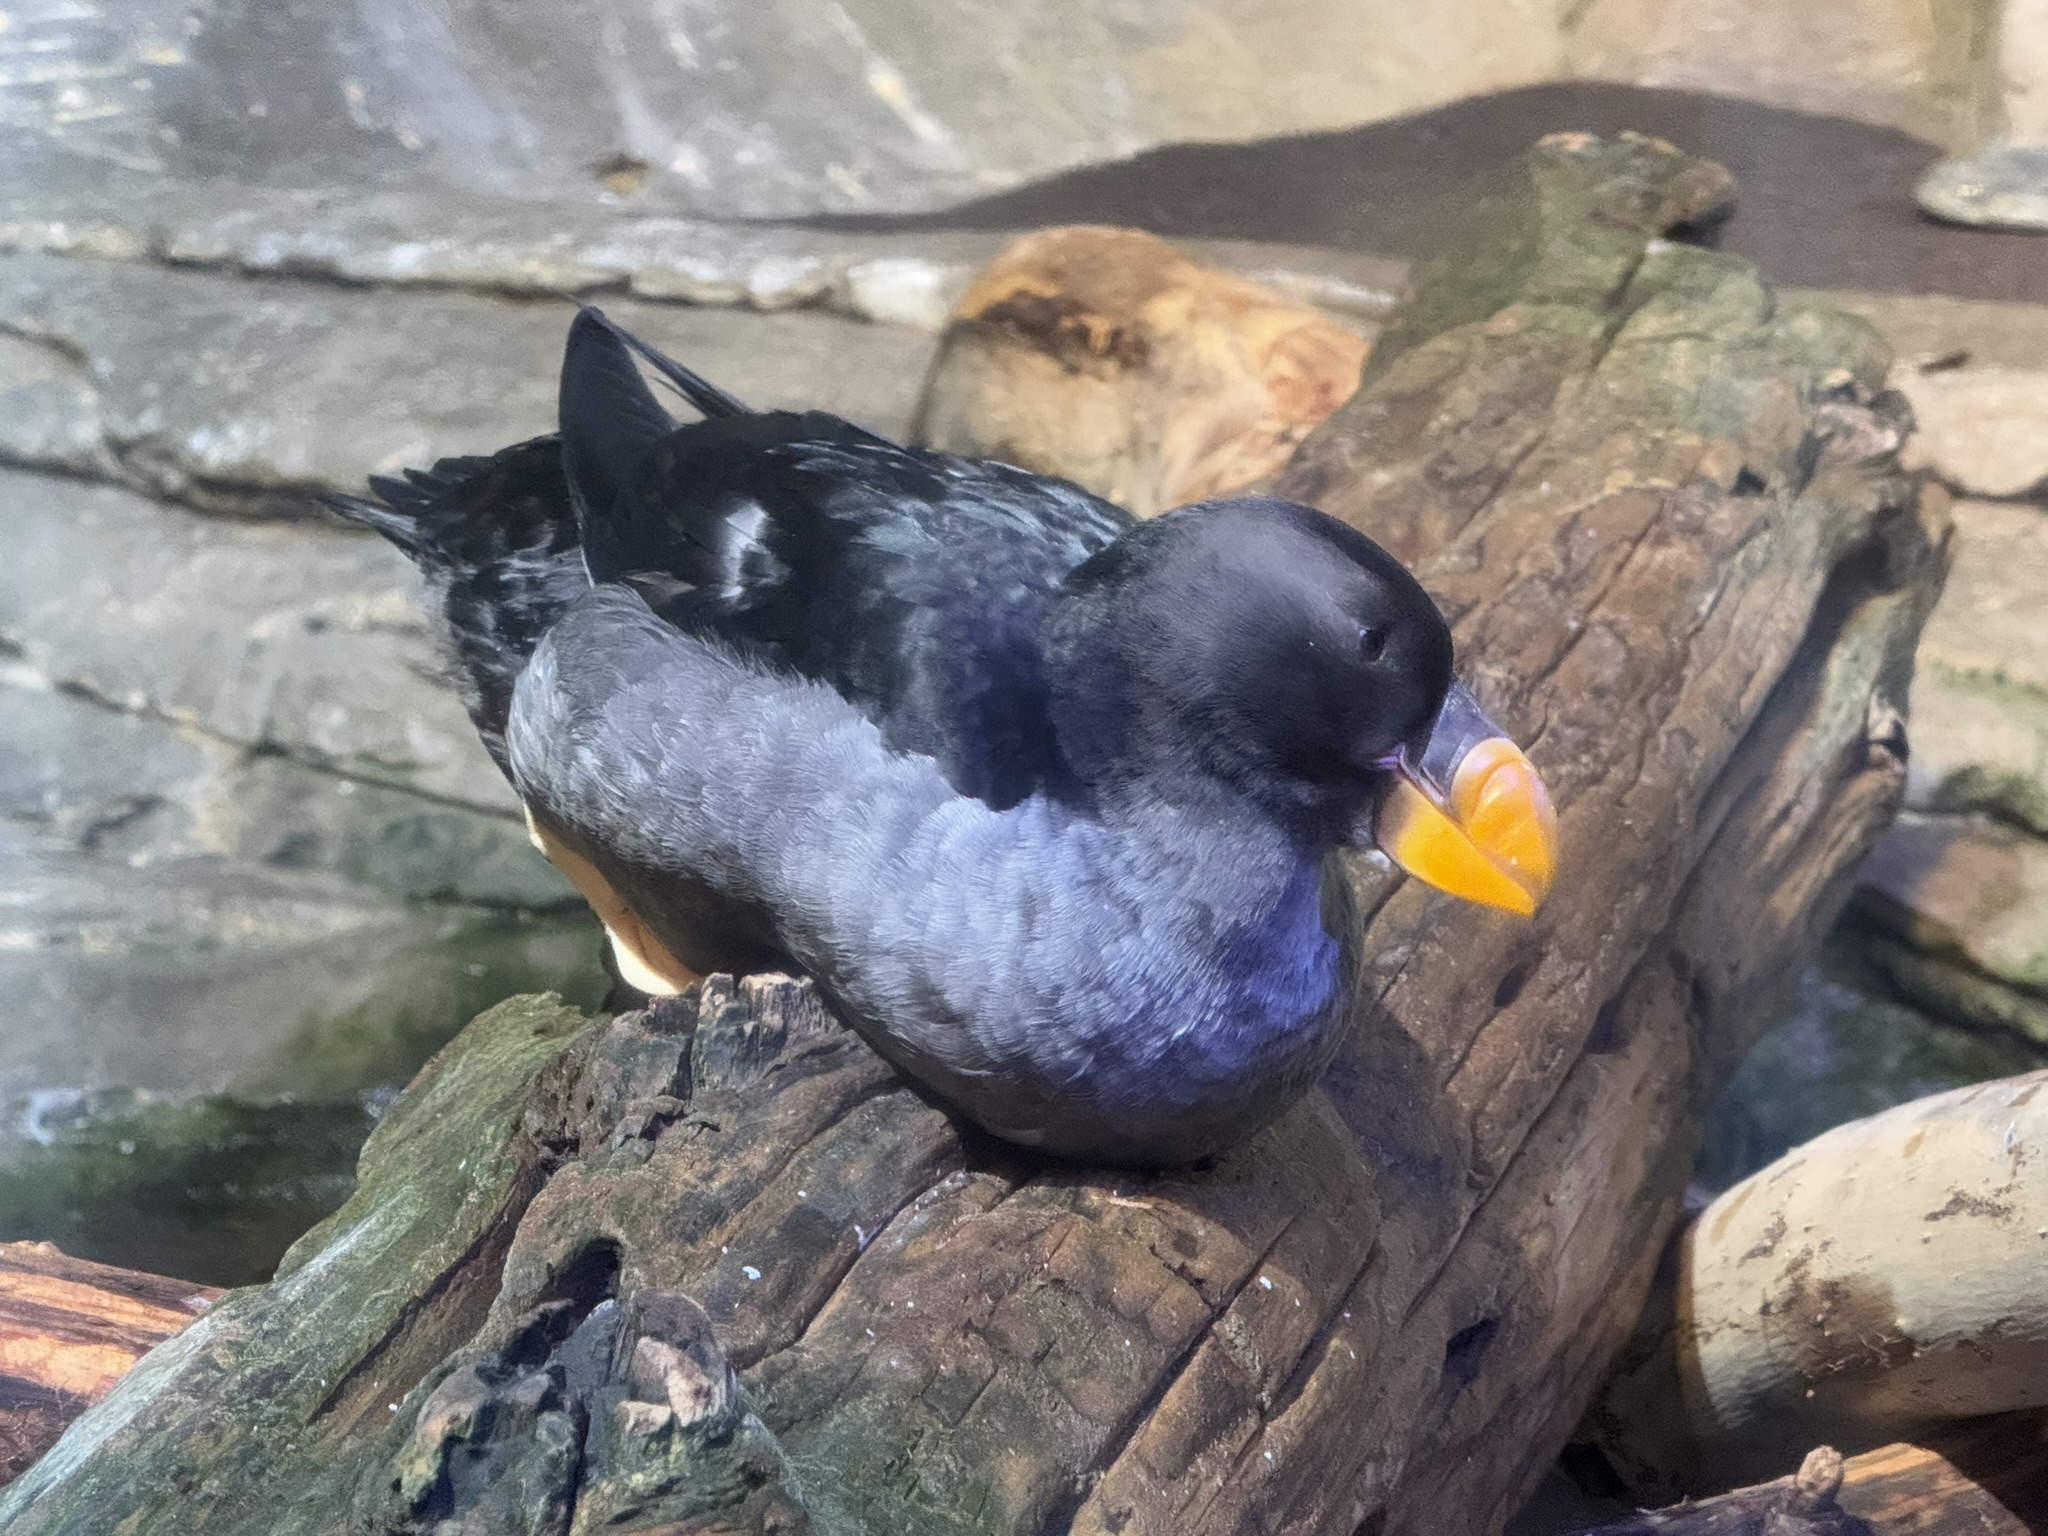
{"points": [[1107, 357]]}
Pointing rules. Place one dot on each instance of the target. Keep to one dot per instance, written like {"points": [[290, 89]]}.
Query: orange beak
{"points": [[1471, 815]]}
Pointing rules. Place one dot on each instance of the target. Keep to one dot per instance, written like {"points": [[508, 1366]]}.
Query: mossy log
{"points": [[714, 1267]]}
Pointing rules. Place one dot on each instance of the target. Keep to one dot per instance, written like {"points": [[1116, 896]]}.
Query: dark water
{"points": [[1849, 1049], [215, 1189]]}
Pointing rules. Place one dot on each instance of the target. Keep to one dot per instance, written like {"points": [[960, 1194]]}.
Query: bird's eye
{"points": [[1372, 641]]}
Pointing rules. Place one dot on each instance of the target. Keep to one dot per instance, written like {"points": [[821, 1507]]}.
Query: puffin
{"points": [[1046, 798]]}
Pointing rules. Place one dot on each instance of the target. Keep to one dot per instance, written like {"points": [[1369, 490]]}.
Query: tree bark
{"points": [[1666, 519]]}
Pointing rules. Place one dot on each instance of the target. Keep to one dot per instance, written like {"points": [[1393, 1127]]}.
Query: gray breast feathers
{"points": [[1059, 978]]}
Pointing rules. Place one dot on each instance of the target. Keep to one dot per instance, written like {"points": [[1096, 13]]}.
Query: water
{"points": [[1848, 1049], [214, 1187]]}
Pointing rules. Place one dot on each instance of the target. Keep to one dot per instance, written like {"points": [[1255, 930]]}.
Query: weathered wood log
{"points": [[1982, 1477], [1988, 1478], [1108, 357], [70, 1329], [1804, 1504], [1874, 1284], [1667, 521]]}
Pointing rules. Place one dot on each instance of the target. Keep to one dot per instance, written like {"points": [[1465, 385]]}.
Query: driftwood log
{"points": [[70, 1329], [1108, 357], [1985, 1479], [713, 1267], [1881, 1281]]}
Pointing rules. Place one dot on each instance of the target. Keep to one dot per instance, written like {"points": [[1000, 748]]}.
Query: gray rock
{"points": [[2002, 185], [408, 235], [140, 789], [179, 915], [228, 773], [404, 845], [181, 974], [49, 410], [242, 396], [285, 639], [727, 109], [97, 779]]}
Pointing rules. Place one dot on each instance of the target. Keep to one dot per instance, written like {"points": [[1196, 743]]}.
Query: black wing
{"points": [[911, 581]]}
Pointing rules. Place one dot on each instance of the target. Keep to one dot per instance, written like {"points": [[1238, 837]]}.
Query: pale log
{"points": [[1884, 1280]]}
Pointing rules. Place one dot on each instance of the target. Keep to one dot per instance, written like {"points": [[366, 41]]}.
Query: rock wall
{"points": [[729, 108]]}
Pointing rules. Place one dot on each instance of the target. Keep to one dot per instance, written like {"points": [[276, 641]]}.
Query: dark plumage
{"points": [[1039, 794]]}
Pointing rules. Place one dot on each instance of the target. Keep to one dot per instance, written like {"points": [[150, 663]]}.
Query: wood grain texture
{"points": [[70, 1329], [1109, 358], [1666, 519], [1985, 1478]]}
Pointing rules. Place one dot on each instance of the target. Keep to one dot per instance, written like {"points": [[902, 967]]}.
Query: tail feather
{"points": [[496, 540], [384, 516]]}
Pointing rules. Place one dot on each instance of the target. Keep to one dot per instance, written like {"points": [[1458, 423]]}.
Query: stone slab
{"points": [[406, 235], [1984, 431], [179, 915], [1979, 726], [244, 395], [1972, 893], [282, 638], [729, 108]]}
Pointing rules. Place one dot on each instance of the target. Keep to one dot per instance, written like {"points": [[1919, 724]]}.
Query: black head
{"points": [[1251, 642]]}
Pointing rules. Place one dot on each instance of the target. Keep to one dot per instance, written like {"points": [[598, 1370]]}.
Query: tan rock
{"points": [[1926, 69], [1983, 430], [1980, 695], [1927, 328], [1976, 890]]}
